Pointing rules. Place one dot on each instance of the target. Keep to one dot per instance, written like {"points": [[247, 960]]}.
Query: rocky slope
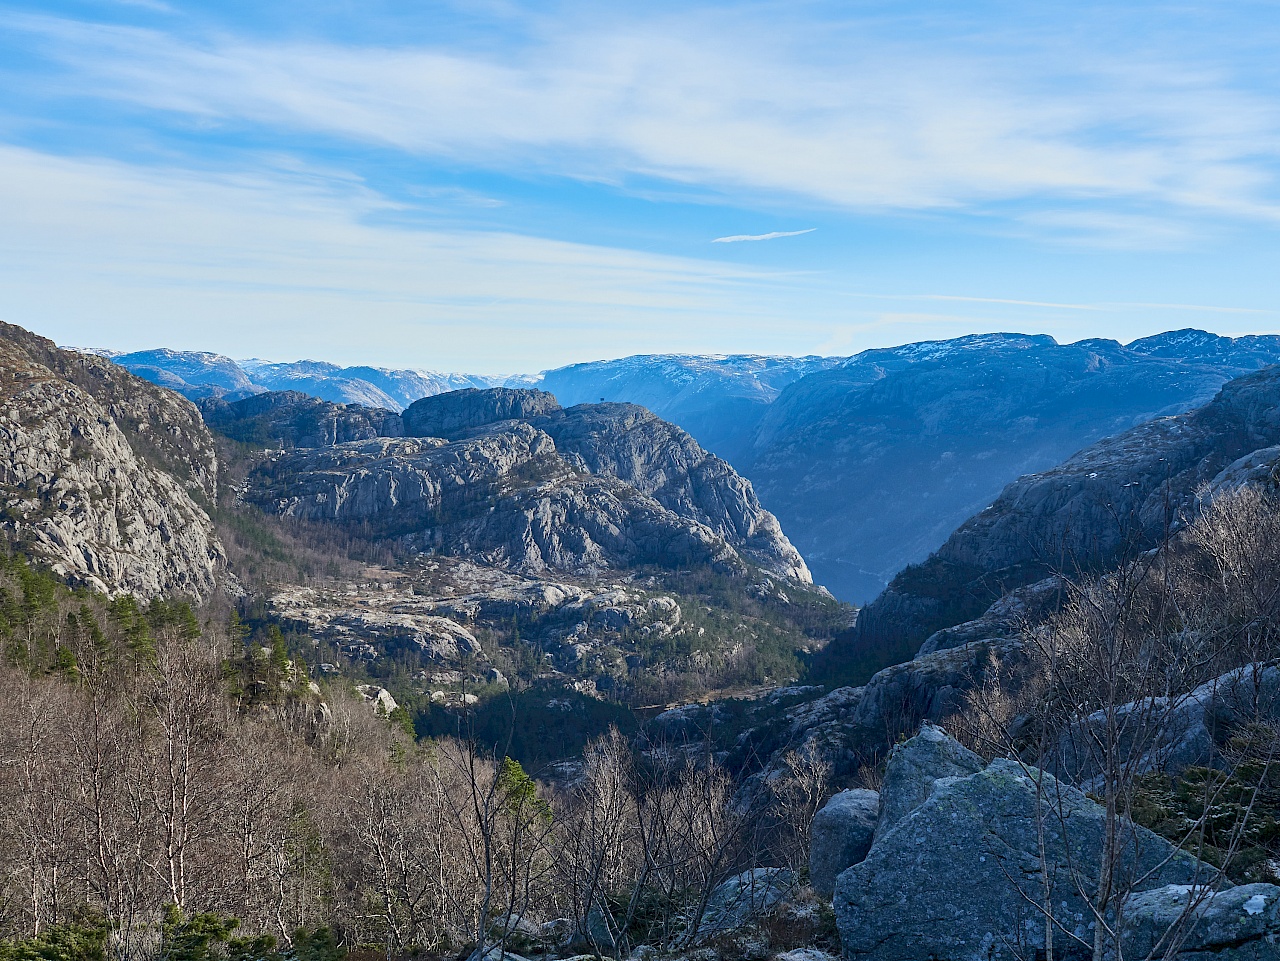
{"points": [[512, 478], [102, 475], [870, 465], [720, 400], [1120, 494]]}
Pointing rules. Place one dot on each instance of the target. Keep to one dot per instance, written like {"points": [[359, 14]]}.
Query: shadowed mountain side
{"points": [[870, 465], [1118, 496]]}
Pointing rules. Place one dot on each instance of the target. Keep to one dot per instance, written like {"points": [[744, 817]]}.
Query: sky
{"points": [[501, 187]]}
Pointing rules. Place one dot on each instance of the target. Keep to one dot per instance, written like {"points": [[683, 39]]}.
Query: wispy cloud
{"points": [[739, 238], [294, 262], [739, 107]]}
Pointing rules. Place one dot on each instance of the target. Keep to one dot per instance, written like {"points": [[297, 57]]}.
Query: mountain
{"points": [[1119, 495], [871, 464], [718, 399], [104, 477], [512, 477], [194, 374], [868, 462], [370, 386], [596, 550], [199, 374]]}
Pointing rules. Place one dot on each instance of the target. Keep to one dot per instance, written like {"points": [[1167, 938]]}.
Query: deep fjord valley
{"points": [[959, 650]]}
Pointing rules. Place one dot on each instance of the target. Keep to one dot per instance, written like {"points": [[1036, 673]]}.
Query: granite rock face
{"points": [[517, 482], [293, 419], [102, 474], [840, 836], [958, 877]]}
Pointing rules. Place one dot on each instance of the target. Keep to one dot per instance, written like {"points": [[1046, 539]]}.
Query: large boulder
{"points": [[840, 836], [959, 877], [913, 768], [1239, 924], [742, 898]]}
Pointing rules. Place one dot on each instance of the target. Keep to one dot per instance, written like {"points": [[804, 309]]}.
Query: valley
{"points": [[496, 617]]}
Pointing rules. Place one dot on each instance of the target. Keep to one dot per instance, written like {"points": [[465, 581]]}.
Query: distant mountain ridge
{"points": [[1116, 497], [868, 461], [200, 374]]}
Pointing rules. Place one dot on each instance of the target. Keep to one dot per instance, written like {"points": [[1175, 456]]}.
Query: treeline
{"points": [[169, 791]]}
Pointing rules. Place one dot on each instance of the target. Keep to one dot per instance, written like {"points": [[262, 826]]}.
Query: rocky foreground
{"points": [[970, 861]]}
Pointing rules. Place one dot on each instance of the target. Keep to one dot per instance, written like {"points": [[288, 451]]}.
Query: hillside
{"points": [[870, 465], [104, 477], [1116, 497]]}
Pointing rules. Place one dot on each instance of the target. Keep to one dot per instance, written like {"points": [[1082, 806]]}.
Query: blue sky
{"points": [[501, 187]]}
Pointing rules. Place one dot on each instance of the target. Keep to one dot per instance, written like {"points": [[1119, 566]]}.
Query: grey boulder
{"points": [[959, 878], [840, 836], [737, 901], [913, 768], [1239, 924]]}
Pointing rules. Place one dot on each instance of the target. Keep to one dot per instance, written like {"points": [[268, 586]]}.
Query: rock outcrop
{"points": [[840, 836], [511, 479], [293, 419], [102, 474], [453, 414], [959, 876]]}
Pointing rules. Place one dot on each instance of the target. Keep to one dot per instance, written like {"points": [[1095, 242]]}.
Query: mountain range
{"points": [[868, 461]]}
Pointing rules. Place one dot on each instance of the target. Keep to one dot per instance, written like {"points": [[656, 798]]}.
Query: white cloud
{"points": [[739, 238], [848, 119], [297, 264]]}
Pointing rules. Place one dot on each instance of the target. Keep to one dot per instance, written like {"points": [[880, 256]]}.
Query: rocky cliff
{"points": [[1119, 495], [511, 478], [870, 465], [102, 475]]}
